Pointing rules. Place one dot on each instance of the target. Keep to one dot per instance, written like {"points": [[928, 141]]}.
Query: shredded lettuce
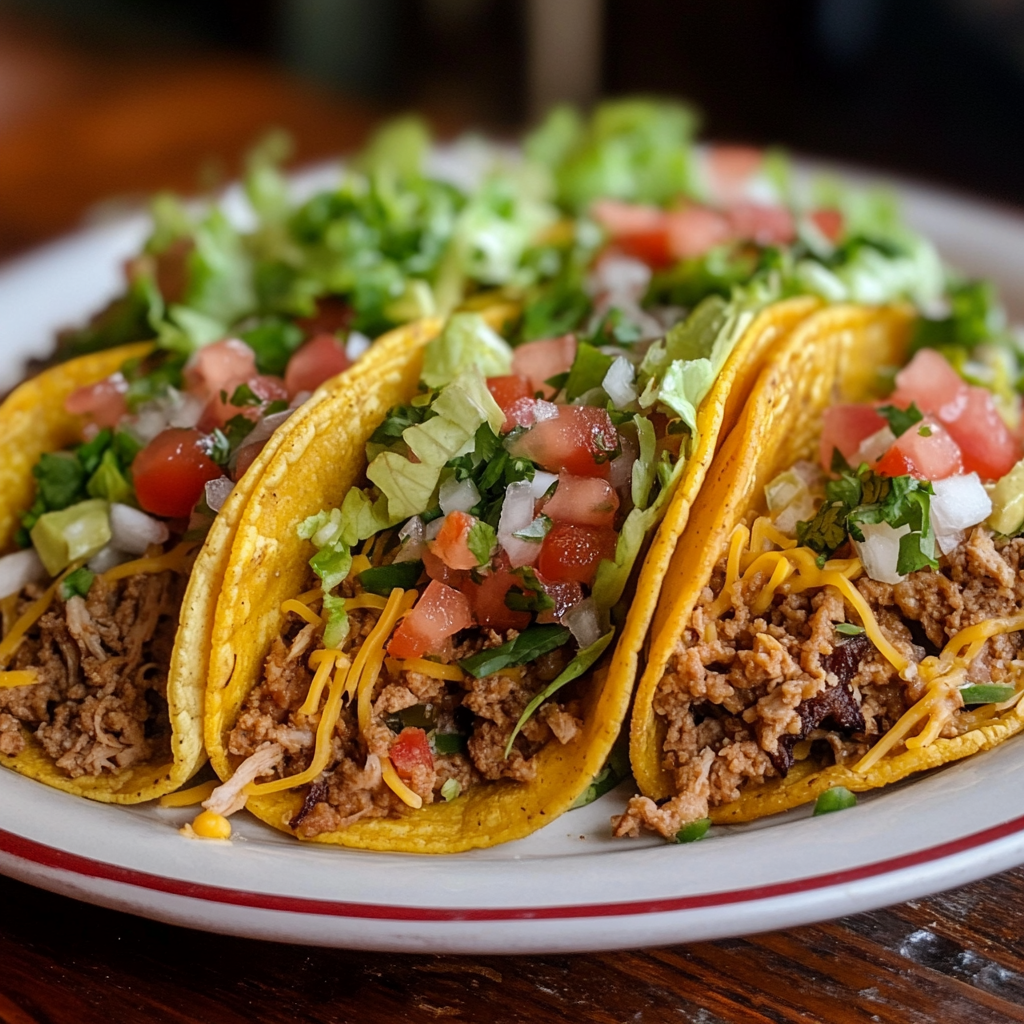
{"points": [[466, 343]]}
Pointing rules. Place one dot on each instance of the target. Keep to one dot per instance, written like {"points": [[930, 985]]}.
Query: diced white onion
{"points": [[582, 622], [19, 569], [133, 531], [874, 447], [266, 427], [949, 542], [299, 399], [516, 515], [542, 482], [618, 382], [544, 411], [880, 550], [149, 421], [621, 278], [412, 537], [433, 528], [620, 469], [217, 492], [800, 511], [356, 345], [186, 410], [959, 503], [458, 495], [106, 558]]}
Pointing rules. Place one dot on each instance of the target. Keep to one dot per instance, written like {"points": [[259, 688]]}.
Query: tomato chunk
{"points": [[438, 614], [318, 360], [333, 314], [731, 168], [508, 392], [487, 599], [929, 382], [171, 472], [451, 545], [635, 229], [925, 451], [566, 594], [438, 570], [846, 427], [584, 501], [580, 440], [220, 367], [538, 361], [573, 553], [103, 402], [694, 230], [765, 225], [218, 411], [411, 749], [829, 222]]}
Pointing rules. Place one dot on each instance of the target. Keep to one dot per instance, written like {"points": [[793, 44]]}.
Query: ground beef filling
{"points": [[484, 711], [101, 703], [744, 696]]}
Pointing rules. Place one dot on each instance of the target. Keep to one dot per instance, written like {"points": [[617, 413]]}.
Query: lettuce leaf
{"points": [[465, 344]]}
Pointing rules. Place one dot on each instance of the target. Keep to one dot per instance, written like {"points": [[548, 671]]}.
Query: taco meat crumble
{"points": [[101, 703], [483, 712], [741, 691]]}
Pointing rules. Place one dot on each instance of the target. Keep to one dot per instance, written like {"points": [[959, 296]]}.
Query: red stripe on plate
{"points": [[48, 857]]}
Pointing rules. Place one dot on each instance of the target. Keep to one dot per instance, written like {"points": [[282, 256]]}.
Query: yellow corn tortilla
{"points": [[834, 356], [313, 468], [33, 421]]}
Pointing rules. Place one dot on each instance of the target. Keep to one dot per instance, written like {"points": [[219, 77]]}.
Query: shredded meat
{"points": [[741, 690], [483, 711], [100, 703]]}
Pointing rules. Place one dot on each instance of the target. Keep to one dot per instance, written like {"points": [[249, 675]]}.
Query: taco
{"points": [[846, 605], [107, 606], [451, 667]]}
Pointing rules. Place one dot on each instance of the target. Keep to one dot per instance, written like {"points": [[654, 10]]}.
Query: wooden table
{"points": [[958, 957]]}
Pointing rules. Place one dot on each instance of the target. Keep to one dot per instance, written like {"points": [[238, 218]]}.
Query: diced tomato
{"points": [[930, 383], [845, 427], [538, 361], [731, 168], [410, 749], [487, 599], [332, 315], [765, 225], [103, 402], [218, 412], [829, 222], [565, 593], [637, 230], [925, 451], [580, 440], [220, 367], [451, 545], [526, 412], [585, 501], [437, 570], [988, 447], [693, 230], [171, 472], [318, 360], [968, 413], [438, 614], [507, 392], [572, 553]]}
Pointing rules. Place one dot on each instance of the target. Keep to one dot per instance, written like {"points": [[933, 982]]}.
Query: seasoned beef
{"points": [[742, 690], [100, 704]]}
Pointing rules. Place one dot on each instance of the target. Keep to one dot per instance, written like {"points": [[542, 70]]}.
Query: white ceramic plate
{"points": [[569, 887]]}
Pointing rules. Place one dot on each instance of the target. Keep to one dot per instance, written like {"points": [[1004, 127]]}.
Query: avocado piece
{"points": [[73, 533], [1008, 502]]}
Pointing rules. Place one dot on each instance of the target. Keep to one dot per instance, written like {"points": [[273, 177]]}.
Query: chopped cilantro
{"points": [[382, 579], [587, 371], [76, 584], [849, 629], [482, 541], [901, 420], [529, 645], [243, 395], [537, 530]]}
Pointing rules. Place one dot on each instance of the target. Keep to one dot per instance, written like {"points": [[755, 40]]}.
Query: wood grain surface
{"points": [[958, 957]]}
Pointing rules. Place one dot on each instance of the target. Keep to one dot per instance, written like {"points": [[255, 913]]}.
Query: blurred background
{"points": [[105, 101]]}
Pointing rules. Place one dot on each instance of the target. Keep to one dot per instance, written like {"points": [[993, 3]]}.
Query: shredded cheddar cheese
{"points": [[324, 737], [397, 786], [425, 667], [22, 677], [365, 600], [176, 560], [189, 797], [323, 661], [302, 610], [28, 619]]}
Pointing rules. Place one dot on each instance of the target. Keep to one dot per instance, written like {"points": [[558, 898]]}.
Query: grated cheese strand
{"points": [[18, 677], [175, 560], [324, 661], [374, 648], [425, 667], [737, 542], [302, 610], [10, 643], [324, 740], [365, 600], [397, 786], [190, 797]]}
